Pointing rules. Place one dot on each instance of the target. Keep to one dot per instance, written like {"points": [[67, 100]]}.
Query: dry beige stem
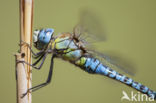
{"points": [[24, 76]]}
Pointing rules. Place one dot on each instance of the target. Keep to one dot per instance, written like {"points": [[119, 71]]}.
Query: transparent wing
{"points": [[115, 61], [89, 28]]}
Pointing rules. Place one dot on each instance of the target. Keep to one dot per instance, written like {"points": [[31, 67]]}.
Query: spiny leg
{"points": [[45, 83], [35, 57], [43, 57], [38, 60]]}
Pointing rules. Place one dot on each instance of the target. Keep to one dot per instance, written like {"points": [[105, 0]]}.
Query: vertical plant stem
{"points": [[23, 71]]}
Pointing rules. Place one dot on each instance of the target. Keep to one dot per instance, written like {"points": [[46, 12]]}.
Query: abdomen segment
{"points": [[92, 65]]}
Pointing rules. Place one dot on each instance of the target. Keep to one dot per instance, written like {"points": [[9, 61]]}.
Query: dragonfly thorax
{"points": [[41, 38]]}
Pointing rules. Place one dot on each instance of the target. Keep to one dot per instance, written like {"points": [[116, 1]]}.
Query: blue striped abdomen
{"points": [[93, 65]]}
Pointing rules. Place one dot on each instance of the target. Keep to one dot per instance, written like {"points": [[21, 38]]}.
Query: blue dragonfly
{"points": [[73, 47]]}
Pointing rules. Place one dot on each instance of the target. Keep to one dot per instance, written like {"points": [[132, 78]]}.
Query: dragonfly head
{"points": [[41, 38]]}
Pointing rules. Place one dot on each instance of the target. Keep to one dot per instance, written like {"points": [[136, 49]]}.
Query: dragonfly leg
{"points": [[39, 59], [28, 45], [45, 83], [39, 55], [43, 57]]}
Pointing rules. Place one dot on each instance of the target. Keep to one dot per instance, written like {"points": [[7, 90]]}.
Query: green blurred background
{"points": [[131, 29]]}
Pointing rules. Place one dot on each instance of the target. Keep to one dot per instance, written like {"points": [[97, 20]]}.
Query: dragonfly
{"points": [[72, 47]]}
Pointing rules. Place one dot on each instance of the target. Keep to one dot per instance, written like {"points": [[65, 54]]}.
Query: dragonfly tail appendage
{"points": [[93, 65]]}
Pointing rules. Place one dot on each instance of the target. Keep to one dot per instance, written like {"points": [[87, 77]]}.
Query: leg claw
{"points": [[23, 95]]}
